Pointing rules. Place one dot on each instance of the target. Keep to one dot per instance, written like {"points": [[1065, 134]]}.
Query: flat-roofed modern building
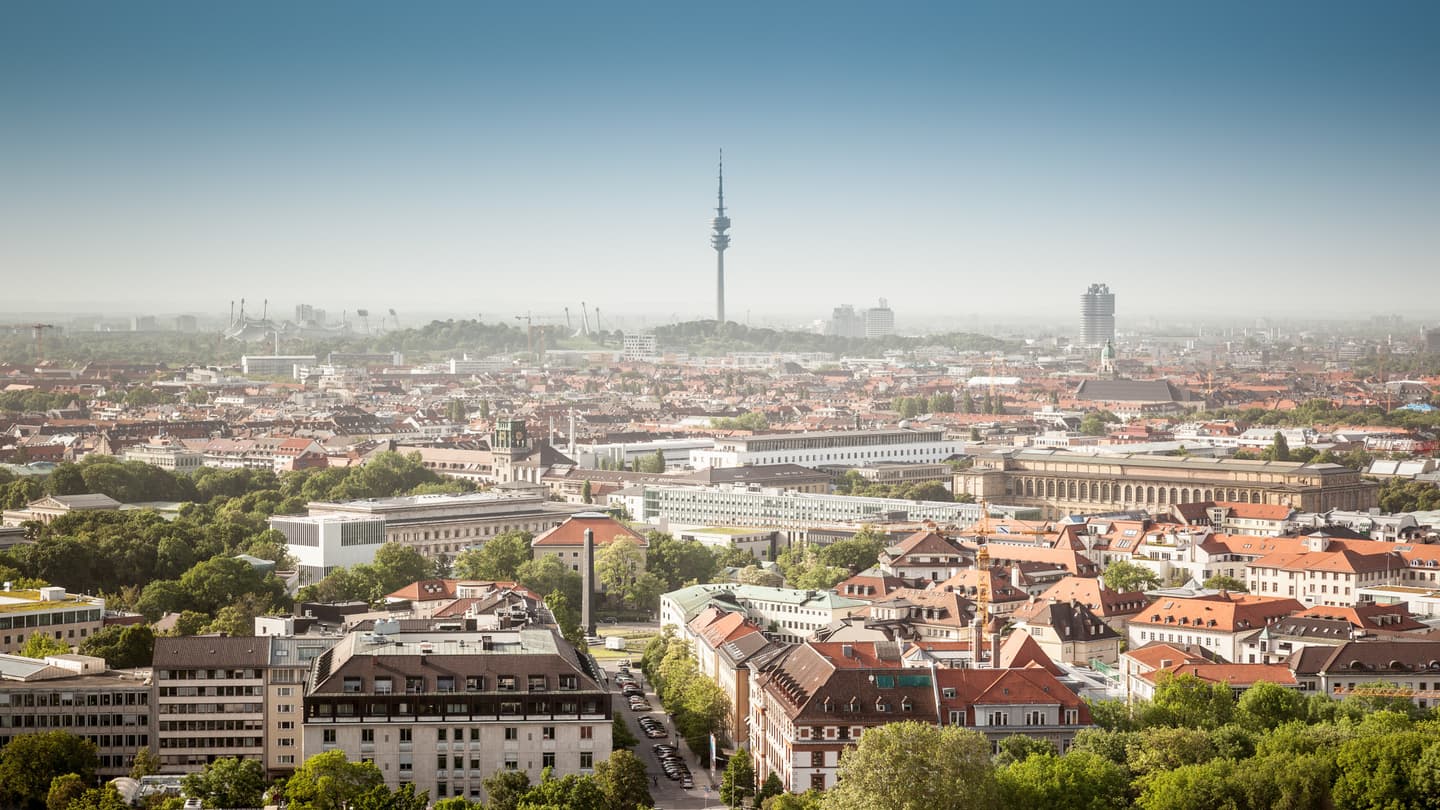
{"points": [[445, 710], [322, 543], [782, 509], [78, 694], [1061, 483], [68, 618], [449, 524], [827, 448]]}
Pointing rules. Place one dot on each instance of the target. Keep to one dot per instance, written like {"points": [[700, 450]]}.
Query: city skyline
{"points": [[968, 159]]}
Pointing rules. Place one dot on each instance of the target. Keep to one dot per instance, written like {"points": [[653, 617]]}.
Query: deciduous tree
{"points": [[910, 765]]}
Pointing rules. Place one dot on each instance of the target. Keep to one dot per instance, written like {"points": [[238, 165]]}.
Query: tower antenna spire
{"points": [[720, 240]]}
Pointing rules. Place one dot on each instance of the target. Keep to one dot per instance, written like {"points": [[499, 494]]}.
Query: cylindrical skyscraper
{"points": [[720, 240], [1097, 315]]}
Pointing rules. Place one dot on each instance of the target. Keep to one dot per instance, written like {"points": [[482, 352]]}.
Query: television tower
{"points": [[720, 240]]}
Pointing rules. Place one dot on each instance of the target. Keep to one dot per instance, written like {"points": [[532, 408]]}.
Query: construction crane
{"points": [[567, 320], [364, 316], [584, 319], [395, 318], [38, 329]]}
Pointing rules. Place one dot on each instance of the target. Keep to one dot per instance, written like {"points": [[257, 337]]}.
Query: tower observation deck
{"points": [[720, 240]]}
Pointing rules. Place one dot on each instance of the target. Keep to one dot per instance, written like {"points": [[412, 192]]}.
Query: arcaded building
{"points": [[1061, 483]]}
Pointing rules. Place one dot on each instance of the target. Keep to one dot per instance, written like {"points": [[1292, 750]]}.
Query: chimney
{"points": [[587, 584], [1015, 577], [977, 641]]}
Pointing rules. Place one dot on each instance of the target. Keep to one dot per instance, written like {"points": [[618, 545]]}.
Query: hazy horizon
{"points": [[977, 159]]}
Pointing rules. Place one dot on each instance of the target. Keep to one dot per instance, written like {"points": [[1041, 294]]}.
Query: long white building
{"points": [[832, 447], [786, 509]]}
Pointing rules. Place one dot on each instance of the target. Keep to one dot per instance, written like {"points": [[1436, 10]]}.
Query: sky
{"points": [[956, 158]]}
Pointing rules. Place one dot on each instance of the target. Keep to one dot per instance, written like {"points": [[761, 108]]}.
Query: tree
{"points": [[549, 573], [618, 564], [1264, 706], [328, 781], [857, 553], [770, 787], [455, 411], [1280, 448], [1187, 701], [755, 575], [31, 761], [677, 562], [1124, 576], [64, 789], [737, 783], [909, 764], [620, 735], [1377, 771], [105, 798], [1192, 787], [499, 559], [621, 779], [1080, 780], [587, 492], [1220, 582], [572, 791], [505, 789], [397, 565], [1020, 747], [40, 644], [1094, 423], [146, 763], [228, 782]]}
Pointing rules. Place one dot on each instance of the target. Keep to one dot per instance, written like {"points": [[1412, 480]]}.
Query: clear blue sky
{"points": [[965, 157]]}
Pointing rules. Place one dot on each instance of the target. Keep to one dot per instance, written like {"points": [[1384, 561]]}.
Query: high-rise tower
{"points": [[720, 240], [1097, 316]]}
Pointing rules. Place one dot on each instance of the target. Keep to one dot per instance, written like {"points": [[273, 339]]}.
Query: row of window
{"points": [[28, 699], [407, 735], [419, 684], [72, 720]]}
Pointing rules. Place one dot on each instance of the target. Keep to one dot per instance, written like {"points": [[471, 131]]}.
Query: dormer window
{"points": [[881, 705]]}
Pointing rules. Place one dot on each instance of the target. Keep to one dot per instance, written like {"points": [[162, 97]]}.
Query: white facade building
{"points": [[276, 365], [836, 447], [322, 543]]}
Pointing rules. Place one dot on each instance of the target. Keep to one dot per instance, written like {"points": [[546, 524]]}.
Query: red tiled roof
{"points": [[572, 532]]}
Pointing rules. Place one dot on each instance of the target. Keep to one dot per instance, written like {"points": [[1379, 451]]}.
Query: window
{"points": [[817, 759], [587, 732], [547, 733], [367, 735], [547, 759], [512, 761], [999, 718], [505, 683], [817, 781], [587, 760], [440, 735], [406, 735], [445, 683], [512, 733], [328, 735]]}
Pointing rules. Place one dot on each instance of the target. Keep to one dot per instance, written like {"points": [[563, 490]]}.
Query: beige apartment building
{"points": [[444, 710]]}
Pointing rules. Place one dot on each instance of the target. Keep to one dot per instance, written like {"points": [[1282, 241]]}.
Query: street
{"points": [[668, 794]]}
